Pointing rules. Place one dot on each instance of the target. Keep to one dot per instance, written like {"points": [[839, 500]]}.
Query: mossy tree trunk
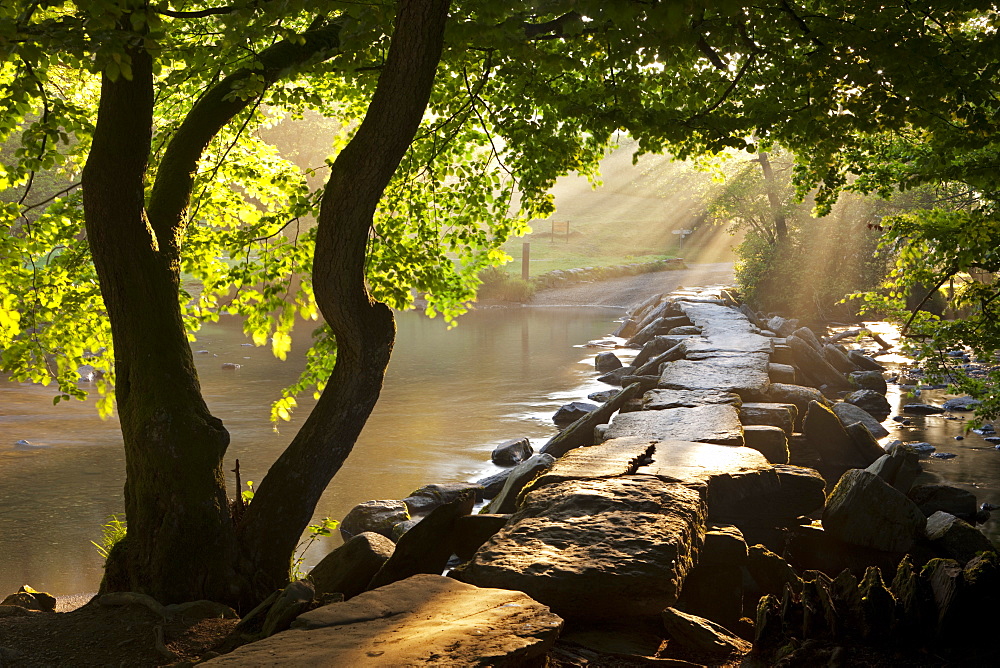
{"points": [[181, 542]]}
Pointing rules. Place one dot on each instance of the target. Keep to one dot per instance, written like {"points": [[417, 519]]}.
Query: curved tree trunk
{"points": [[181, 543], [365, 329], [180, 540]]}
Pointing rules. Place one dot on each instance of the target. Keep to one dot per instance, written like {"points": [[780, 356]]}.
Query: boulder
{"points": [[899, 469], [954, 500], [640, 310], [868, 380], [782, 353], [472, 531], [877, 606], [869, 401], [773, 414], [653, 314], [922, 409], [771, 572], [349, 568], [965, 403], [627, 329], [602, 396], [429, 497], [597, 549], [615, 377], [945, 578], [799, 395], [520, 475], [293, 600], [770, 441], [31, 599], [838, 359], [701, 636], [956, 538], [684, 330], [781, 326], [653, 364], [724, 544], [403, 527], [864, 441], [915, 602], [607, 361], [377, 516], [742, 487], [827, 436], [809, 337], [645, 383], [814, 366], [426, 547], [426, 620], [571, 412], [655, 346], [849, 414], [863, 510], [714, 589], [781, 373], [862, 361], [512, 452], [716, 423], [493, 484], [645, 334], [581, 432]]}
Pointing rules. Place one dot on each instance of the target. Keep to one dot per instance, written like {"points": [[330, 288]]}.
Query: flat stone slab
{"points": [[425, 620], [724, 329], [610, 459], [769, 413], [716, 423], [743, 487], [655, 400], [597, 549], [732, 342], [676, 460], [745, 374]]}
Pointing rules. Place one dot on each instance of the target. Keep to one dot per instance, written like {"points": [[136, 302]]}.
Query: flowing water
{"points": [[450, 396], [976, 465]]}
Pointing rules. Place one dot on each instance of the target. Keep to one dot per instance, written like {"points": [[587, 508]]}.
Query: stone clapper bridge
{"points": [[639, 517]]}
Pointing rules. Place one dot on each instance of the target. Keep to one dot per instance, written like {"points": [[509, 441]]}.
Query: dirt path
{"points": [[629, 290]]}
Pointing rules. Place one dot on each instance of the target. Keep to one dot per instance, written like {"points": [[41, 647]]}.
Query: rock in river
{"points": [[864, 510], [512, 452], [597, 549], [571, 412]]}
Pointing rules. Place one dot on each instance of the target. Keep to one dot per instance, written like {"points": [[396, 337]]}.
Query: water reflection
{"points": [[976, 467], [449, 398]]}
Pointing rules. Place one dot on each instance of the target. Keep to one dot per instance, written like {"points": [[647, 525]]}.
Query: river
{"points": [[450, 396]]}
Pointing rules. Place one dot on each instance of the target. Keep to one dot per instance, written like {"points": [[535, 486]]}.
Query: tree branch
{"points": [[553, 28], [711, 53], [171, 192]]}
